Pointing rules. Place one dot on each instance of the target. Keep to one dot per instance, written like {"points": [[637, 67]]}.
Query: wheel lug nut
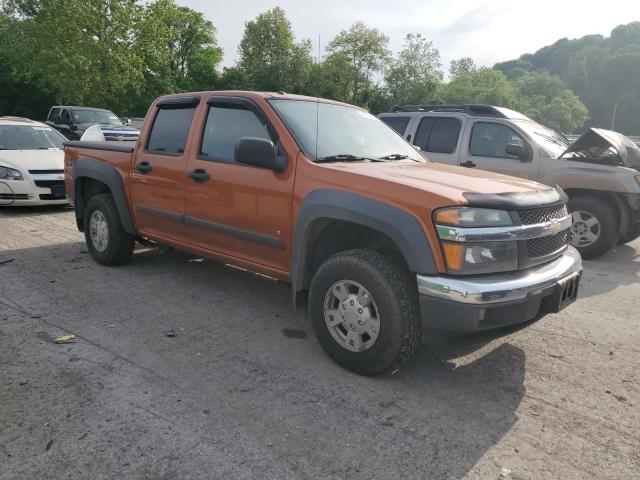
{"points": [[359, 310], [360, 323], [351, 303]]}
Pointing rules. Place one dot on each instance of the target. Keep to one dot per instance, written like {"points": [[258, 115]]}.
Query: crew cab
{"points": [[600, 171], [73, 122], [380, 243]]}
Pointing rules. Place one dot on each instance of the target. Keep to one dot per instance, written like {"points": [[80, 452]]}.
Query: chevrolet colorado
{"points": [[380, 242]]}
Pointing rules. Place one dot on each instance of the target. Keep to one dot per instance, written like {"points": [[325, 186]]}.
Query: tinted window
{"points": [[491, 140], [55, 113], [438, 134], [170, 130], [399, 124], [64, 117], [225, 125]]}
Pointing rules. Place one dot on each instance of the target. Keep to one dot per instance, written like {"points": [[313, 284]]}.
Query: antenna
{"points": [[318, 80]]}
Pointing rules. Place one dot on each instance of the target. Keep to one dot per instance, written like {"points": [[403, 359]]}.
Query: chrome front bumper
{"points": [[488, 301]]}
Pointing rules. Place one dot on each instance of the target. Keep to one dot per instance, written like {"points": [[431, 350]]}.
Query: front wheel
{"points": [[364, 310], [594, 230], [106, 240]]}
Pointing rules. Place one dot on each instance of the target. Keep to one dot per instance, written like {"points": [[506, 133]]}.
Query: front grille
{"points": [[14, 196], [539, 215], [47, 172], [49, 183], [543, 246]]}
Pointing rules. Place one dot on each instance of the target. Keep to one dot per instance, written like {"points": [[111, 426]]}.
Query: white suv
{"points": [[31, 163]]}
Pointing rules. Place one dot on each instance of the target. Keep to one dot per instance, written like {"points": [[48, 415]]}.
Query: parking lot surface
{"points": [[243, 390]]}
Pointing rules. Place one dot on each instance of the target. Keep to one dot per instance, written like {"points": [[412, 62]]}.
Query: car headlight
{"points": [[464, 257], [7, 173]]}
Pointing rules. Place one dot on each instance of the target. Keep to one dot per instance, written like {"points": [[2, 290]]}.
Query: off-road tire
{"points": [[607, 218], [120, 244], [395, 293]]}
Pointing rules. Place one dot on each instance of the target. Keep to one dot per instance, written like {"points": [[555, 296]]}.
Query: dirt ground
{"points": [[244, 390]]}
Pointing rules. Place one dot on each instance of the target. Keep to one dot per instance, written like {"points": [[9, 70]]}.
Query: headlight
{"points": [[468, 258], [7, 173], [473, 217]]}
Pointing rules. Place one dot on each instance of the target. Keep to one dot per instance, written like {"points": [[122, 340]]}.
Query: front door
{"points": [[158, 176], [487, 150], [236, 210]]}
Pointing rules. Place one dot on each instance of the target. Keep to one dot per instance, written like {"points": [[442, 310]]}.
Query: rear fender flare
{"points": [[88, 168]]}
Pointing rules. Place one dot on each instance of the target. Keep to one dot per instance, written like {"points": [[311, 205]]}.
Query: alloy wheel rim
{"points": [[99, 231], [351, 315], [585, 229]]}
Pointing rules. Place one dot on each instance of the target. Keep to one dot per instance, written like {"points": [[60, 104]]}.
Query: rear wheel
{"points": [[594, 230], [364, 310], [106, 240]]}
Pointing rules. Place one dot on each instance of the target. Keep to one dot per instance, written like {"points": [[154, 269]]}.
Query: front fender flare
{"points": [[399, 225]]}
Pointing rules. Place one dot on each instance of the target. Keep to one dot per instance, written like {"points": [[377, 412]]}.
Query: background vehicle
{"points": [[378, 240], [73, 121], [599, 172], [31, 163]]}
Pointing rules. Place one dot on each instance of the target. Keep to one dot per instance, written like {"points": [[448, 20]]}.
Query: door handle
{"points": [[143, 167], [199, 175], [468, 164]]}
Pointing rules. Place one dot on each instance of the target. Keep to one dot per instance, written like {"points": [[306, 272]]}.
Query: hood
{"points": [[593, 146], [444, 180], [32, 159]]}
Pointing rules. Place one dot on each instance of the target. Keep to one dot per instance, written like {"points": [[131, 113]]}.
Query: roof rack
{"points": [[475, 110], [17, 119]]}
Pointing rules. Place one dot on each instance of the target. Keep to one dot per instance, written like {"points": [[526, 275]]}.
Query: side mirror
{"points": [[259, 152], [519, 151], [92, 134]]}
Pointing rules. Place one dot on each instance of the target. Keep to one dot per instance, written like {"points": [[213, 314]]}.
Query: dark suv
{"points": [[73, 121]]}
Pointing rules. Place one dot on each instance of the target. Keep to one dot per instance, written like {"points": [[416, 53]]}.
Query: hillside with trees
{"points": [[603, 71], [121, 54]]}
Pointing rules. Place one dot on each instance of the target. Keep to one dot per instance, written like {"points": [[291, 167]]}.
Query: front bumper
{"points": [[482, 302], [44, 189]]}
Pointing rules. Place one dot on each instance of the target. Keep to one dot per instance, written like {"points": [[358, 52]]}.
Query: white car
{"points": [[31, 163]]}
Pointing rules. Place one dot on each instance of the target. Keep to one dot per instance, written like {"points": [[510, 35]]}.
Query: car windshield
{"points": [[102, 117], [28, 137], [552, 143], [341, 133]]}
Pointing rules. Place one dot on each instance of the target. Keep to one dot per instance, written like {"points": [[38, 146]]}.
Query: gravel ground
{"points": [[244, 391]]}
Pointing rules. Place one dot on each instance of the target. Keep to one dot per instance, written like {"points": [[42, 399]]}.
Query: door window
{"points": [[399, 124], [225, 125], [54, 116], [438, 134], [491, 140], [64, 118], [170, 130]]}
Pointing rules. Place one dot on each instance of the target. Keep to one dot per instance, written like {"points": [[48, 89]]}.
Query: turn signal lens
{"points": [[453, 255], [473, 217]]}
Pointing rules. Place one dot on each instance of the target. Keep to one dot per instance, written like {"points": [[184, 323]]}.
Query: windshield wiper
{"points": [[398, 156], [342, 157]]}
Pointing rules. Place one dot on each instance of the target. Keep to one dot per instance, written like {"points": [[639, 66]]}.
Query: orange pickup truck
{"points": [[381, 244]]}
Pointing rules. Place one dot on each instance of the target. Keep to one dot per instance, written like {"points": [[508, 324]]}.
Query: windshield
{"points": [[27, 137], [325, 130], [552, 143], [102, 117]]}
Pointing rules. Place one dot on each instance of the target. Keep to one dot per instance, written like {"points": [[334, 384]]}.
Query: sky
{"points": [[489, 31]]}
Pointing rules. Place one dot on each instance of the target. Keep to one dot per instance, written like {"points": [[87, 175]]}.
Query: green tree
{"points": [[415, 74], [269, 56], [462, 66], [484, 85], [366, 53]]}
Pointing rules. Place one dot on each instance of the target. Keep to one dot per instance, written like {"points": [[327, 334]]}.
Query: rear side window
{"points": [[438, 134], [54, 115], [225, 125], [170, 130], [399, 124]]}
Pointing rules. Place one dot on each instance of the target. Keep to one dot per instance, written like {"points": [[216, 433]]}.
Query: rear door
{"points": [[158, 174], [439, 138], [240, 211], [485, 148]]}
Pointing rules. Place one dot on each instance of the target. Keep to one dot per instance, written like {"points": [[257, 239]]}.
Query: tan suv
{"points": [[599, 171]]}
